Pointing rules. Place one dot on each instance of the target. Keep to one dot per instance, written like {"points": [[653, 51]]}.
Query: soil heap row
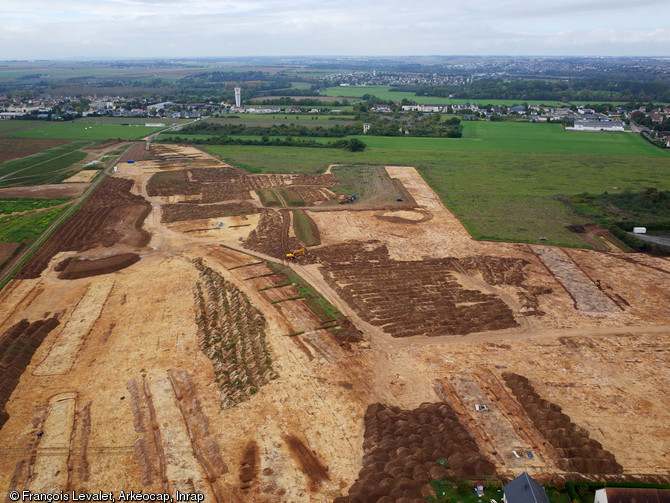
{"points": [[405, 449], [579, 452], [17, 347], [232, 335], [180, 211], [228, 184], [271, 235], [408, 298]]}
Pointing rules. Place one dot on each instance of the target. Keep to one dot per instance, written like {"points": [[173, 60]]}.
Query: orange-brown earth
{"points": [[199, 368]]}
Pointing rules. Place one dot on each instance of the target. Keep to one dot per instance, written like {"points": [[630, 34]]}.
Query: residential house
{"points": [[524, 489], [382, 109], [466, 106]]}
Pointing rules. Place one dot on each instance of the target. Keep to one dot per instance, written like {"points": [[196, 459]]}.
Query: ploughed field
{"points": [[110, 216], [162, 340]]}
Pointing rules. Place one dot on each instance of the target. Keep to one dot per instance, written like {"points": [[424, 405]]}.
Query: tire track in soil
{"points": [[205, 449], [308, 460], [588, 297], [25, 302], [156, 435], [551, 273], [23, 467], [249, 466], [616, 298], [85, 433], [446, 390], [49, 466]]}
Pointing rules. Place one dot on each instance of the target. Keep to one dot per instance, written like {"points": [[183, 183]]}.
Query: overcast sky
{"points": [[62, 29]]}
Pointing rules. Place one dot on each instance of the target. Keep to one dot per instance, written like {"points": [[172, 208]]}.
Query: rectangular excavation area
{"points": [[64, 351], [587, 296]]}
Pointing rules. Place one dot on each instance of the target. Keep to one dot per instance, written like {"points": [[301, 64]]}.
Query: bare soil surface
{"points": [[73, 268], [54, 191], [84, 176], [7, 251], [199, 369]]}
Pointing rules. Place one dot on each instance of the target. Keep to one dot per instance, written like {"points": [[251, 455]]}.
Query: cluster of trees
{"points": [[413, 124], [588, 89], [307, 102], [350, 144], [644, 120], [337, 131]]}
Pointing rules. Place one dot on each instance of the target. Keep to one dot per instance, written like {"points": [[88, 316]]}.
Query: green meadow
{"points": [[84, 131]]}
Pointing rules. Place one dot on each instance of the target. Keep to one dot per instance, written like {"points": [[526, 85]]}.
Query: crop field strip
{"points": [[17, 148], [26, 227], [39, 168], [15, 205]]}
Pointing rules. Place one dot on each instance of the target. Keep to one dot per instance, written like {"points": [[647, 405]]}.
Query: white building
{"points": [[238, 97], [597, 126]]}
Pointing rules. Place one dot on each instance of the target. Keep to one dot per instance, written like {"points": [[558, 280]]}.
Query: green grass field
{"points": [[501, 182], [303, 229], [84, 131], [16, 205], [268, 197], [28, 227], [484, 136], [11, 127]]}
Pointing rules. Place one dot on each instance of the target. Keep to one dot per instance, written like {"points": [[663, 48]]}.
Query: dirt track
{"points": [[129, 382]]}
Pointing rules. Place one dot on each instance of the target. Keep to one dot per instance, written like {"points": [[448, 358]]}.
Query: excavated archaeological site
{"points": [[161, 341]]}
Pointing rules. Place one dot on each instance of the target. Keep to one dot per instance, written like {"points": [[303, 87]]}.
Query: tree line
{"points": [[350, 144], [585, 89]]}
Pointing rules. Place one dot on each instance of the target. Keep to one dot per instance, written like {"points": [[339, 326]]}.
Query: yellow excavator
{"points": [[296, 252]]}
